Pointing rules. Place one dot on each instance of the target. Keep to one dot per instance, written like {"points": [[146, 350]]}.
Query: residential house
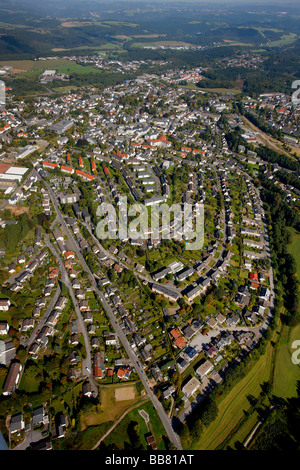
{"points": [[167, 392], [4, 305], [191, 387], [87, 389], [17, 423], [124, 372], [204, 369], [27, 324], [38, 416], [99, 365], [4, 328]]}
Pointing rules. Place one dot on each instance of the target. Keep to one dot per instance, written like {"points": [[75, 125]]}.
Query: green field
{"points": [[161, 43], [231, 408], [34, 65], [30, 68], [121, 437], [104, 24], [192, 86], [286, 374], [295, 250], [284, 40]]}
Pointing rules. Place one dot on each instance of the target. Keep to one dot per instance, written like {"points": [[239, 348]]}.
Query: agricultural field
{"points": [[33, 66], [227, 426], [162, 44], [285, 40], [295, 250], [286, 374]]}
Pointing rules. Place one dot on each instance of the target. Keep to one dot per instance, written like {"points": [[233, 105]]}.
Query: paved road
{"points": [[43, 320], [139, 369], [87, 362], [13, 277], [174, 438], [144, 277], [198, 341], [30, 437]]}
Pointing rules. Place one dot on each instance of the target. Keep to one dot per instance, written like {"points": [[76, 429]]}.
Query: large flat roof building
{"points": [[191, 387], [61, 126], [204, 369]]}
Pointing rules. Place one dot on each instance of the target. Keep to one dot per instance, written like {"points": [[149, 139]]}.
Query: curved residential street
{"points": [[174, 438]]}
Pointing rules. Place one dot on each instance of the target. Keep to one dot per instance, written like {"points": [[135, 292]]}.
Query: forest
{"points": [[281, 430]]}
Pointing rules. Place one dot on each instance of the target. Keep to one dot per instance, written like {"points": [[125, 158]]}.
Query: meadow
{"points": [[121, 435], [230, 425], [111, 409]]}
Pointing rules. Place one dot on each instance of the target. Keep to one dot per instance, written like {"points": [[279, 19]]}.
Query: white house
{"points": [[4, 305]]}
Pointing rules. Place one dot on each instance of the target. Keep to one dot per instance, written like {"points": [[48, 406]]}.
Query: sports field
{"points": [[114, 401], [124, 393]]}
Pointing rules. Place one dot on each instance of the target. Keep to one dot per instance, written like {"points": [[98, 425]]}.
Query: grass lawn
{"points": [[67, 398], [284, 40], [286, 374], [294, 249], [35, 65], [76, 68], [120, 434], [219, 90], [244, 274], [244, 430], [29, 384], [83, 441], [111, 409]]}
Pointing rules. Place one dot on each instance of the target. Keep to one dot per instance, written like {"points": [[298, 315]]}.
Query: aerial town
{"points": [[81, 315]]}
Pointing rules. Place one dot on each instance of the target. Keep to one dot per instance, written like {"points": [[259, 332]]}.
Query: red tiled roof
{"points": [[52, 165], [67, 168], [85, 175], [4, 167], [98, 372], [180, 342], [175, 333]]}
